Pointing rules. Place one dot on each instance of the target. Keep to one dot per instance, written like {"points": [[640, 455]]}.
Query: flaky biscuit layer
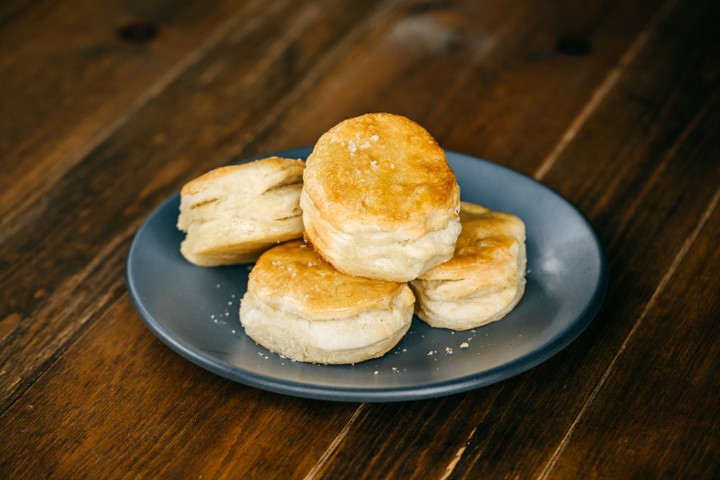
{"points": [[298, 306], [234, 213], [483, 281], [379, 198]]}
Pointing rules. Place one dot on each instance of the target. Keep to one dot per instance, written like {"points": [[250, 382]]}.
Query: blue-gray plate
{"points": [[194, 310]]}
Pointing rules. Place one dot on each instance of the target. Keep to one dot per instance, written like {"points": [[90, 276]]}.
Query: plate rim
{"points": [[381, 394]]}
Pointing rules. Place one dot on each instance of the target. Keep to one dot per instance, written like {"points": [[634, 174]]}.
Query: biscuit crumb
{"points": [[464, 345], [448, 350]]}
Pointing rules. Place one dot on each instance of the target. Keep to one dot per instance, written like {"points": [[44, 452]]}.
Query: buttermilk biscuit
{"points": [[234, 213], [483, 281], [379, 199], [299, 306]]}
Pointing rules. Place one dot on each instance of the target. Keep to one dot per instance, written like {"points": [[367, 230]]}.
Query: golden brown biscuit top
{"points": [[205, 180], [487, 238], [381, 169], [293, 277]]}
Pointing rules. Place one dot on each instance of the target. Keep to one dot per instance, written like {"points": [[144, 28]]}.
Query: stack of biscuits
{"points": [[351, 242]]}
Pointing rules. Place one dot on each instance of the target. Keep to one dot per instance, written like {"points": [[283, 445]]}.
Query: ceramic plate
{"points": [[194, 310]]}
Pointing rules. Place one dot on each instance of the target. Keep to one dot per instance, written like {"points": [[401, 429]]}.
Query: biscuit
{"points": [[234, 213], [299, 306], [379, 199], [483, 281]]}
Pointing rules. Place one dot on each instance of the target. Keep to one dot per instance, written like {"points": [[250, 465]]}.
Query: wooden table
{"points": [[109, 107]]}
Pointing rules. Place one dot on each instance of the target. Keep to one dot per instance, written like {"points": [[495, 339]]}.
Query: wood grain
{"points": [[500, 87], [90, 80], [110, 406], [642, 416], [620, 117], [89, 216], [672, 191], [562, 386]]}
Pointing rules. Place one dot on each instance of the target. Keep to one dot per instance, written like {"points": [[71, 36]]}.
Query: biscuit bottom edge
{"points": [[395, 256], [467, 313], [330, 342]]}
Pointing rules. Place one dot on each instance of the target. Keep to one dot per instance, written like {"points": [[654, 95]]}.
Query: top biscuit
{"points": [[379, 199], [381, 170]]}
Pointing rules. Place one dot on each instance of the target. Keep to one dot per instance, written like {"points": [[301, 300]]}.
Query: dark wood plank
{"points": [[121, 403], [201, 119], [646, 177], [99, 395], [98, 277], [68, 78], [644, 419], [11, 10], [517, 420], [483, 79]]}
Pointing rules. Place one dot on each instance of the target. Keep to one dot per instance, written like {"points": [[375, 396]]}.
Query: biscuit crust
{"points": [[381, 171], [293, 276], [379, 199], [484, 280], [234, 213], [299, 306]]}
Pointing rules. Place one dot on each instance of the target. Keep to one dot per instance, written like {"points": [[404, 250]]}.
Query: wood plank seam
{"points": [[339, 51], [605, 87], [334, 444], [603, 90], [192, 59], [84, 321], [629, 213], [16, 217], [458, 455], [650, 304], [455, 89]]}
